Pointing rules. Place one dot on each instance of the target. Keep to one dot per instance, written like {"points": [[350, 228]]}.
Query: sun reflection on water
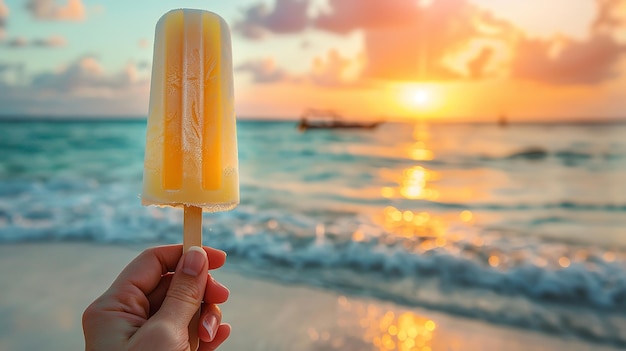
{"points": [[388, 330], [419, 152], [411, 224], [426, 214], [414, 183], [426, 229]]}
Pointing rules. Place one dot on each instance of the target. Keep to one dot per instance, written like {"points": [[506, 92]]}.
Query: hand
{"points": [[148, 307]]}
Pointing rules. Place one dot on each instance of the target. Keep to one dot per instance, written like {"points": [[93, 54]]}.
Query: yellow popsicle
{"points": [[191, 144]]}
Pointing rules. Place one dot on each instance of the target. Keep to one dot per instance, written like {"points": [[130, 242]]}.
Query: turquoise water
{"points": [[524, 225]]}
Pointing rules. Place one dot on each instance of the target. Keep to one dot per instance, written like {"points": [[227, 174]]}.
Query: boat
{"points": [[503, 121], [329, 119]]}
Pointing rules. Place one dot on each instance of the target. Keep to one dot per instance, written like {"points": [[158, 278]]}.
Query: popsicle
{"points": [[191, 142]]}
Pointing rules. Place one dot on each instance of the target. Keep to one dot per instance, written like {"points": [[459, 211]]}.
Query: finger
{"points": [[223, 332], [215, 292], [146, 270], [216, 257], [210, 320], [155, 298], [186, 289]]}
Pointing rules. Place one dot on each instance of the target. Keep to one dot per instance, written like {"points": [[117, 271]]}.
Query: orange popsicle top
{"points": [[191, 146]]}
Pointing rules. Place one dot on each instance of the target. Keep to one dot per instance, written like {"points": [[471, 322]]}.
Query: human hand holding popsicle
{"points": [[149, 308], [191, 143], [190, 163]]}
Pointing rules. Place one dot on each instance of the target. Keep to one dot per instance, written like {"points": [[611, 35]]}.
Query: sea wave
{"points": [[478, 273], [477, 224]]}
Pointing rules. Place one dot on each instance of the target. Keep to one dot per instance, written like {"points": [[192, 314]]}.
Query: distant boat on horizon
{"points": [[329, 119], [503, 120]]}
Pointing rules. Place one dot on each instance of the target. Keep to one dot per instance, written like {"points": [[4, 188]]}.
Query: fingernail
{"points": [[210, 324], [194, 261]]}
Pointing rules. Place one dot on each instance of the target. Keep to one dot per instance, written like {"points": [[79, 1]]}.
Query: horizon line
{"points": [[435, 120]]}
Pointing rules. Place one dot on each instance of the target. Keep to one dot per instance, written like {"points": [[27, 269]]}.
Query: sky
{"points": [[531, 60]]}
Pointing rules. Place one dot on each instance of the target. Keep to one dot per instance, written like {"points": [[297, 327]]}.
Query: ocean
{"points": [[523, 225]]}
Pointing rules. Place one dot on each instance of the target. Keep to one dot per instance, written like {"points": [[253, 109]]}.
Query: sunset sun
{"points": [[420, 97]]}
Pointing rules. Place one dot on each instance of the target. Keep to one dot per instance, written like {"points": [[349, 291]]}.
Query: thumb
{"points": [[186, 290]]}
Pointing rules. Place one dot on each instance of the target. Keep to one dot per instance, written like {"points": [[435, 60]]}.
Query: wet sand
{"points": [[44, 289]]}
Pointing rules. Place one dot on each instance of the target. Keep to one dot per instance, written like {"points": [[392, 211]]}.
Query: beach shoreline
{"points": [[46, 287]]}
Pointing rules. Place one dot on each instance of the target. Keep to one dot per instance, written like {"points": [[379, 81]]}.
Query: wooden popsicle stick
{"points": [[192, 236]]}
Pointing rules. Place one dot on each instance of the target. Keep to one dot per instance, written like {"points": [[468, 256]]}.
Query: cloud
{"points": [[566, 61], [85, 76], [4, 10], [440, 40], [53, 41], [403, 39], [290, 16], [4, 14], [17, 42], [73, 10], [477, 65], [577, 62], [347, 15], [82, 85], [420, 48], [333, 70], [611, 15], [264, 71], [330, 70], [287, 16]]}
